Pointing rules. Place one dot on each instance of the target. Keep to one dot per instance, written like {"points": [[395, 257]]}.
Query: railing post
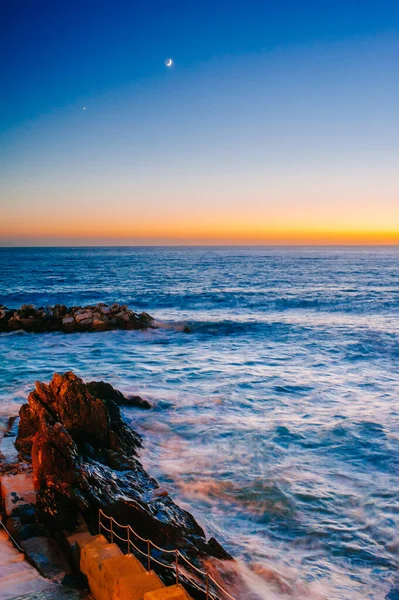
{"points": [[128, 539], [112, 530], [148, 556], [207, 586], [177, 567], [99, 521]]}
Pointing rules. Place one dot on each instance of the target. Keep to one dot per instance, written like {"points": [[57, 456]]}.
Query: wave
{"points": [[236, 299]]}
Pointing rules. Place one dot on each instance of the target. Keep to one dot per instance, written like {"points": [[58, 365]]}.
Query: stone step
{"points": [[112, 570], [77, 542], [173, 592], [93, 555], [82, 538], [120, 566], [133, 586]]}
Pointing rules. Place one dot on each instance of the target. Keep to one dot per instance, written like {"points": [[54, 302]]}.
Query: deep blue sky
{"points": [[305, 89], [54, 52]]}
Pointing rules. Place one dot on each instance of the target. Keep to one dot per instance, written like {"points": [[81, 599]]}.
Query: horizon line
{"points": [[210, 245]]}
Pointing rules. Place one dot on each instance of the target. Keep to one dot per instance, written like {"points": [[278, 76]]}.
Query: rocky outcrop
{"points": [[84, 457], [100, 317]]}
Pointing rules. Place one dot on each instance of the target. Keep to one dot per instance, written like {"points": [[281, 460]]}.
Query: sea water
{"points": [[275, 419]]}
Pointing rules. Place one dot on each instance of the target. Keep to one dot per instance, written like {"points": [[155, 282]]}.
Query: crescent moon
{"points": [[168, 62]]}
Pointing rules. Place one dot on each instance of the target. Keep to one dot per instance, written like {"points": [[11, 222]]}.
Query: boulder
{"points": [[68, 324], [47, 556], [83, 316], [100, 323], [85, 324]]}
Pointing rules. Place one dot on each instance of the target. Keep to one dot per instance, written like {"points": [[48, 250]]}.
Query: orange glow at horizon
{"points": [[189, 234]]}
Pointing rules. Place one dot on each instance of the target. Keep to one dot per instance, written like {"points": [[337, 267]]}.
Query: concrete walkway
{"points": [[19, 580]]}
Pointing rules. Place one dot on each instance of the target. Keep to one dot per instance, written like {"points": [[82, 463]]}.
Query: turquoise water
{"points": [[276, 420]]}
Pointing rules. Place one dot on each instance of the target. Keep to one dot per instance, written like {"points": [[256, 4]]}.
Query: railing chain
{"points": [[14, 541], [176, 552]]}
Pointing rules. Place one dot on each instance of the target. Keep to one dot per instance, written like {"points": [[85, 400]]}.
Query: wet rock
{"points": [[105, 391], [28, 425], [138, 402], [21, 530], [47, 556], [13, 427], [217, 550], [146, 319]]}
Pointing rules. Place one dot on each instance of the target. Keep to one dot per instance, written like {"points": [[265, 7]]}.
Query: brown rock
{"points": [[68, 324], [84, 324], [100, 323], [83, 316]]}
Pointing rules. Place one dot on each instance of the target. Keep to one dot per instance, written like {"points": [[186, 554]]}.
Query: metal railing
{"points": [[130, 532], [13, 540]]}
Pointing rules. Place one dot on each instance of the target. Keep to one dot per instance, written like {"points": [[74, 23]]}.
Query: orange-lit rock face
{"points": [[53, 451], [65, 411]]}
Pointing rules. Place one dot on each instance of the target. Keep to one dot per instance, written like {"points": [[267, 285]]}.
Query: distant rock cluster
{"points": [[100, 317]]}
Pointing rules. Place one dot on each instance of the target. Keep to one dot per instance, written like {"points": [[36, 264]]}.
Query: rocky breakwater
{"points": [[100, 317], [81, 457]]}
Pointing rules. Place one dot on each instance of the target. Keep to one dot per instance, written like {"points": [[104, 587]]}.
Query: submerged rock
{"points": [[84, 457], [76, 318]]}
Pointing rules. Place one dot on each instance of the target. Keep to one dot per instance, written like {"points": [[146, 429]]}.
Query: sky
{"points": [[278, 122]]}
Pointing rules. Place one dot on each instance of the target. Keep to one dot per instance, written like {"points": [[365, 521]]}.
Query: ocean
{"points": [[275, 419]]}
